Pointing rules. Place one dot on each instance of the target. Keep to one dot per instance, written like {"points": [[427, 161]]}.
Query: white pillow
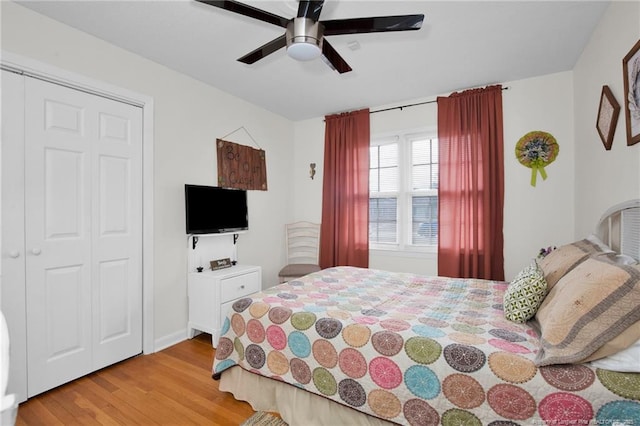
{"points": [[599, 243], [625, 361], [620, 259], [623, 259]]}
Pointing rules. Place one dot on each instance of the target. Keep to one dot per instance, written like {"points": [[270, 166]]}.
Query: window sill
{"points": [[423, 253]]}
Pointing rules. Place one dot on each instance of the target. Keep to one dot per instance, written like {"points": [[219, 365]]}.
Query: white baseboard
{"points": [[170, 340]]}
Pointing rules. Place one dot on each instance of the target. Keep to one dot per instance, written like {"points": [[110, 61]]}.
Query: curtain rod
{"points": [[401, 107]]}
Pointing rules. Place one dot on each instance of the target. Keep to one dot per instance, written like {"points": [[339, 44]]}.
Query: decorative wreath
{"points": [[536, 150]]}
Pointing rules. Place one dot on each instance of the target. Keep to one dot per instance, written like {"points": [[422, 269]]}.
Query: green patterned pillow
{"points": [[525, 294]]}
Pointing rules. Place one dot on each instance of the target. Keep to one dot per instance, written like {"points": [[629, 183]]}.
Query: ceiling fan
{"points": [[305, 34]]}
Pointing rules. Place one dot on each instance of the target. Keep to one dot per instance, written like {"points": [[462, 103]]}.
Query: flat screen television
{"points": [[215, 210]]}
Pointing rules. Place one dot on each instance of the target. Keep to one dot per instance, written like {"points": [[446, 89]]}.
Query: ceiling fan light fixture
{"points": [[304, 39], [304, 51]]}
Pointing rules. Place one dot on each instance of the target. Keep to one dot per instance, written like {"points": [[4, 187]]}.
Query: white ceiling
{"points": [[461, 44]]}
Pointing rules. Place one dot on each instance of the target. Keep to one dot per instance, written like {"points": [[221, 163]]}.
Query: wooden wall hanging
{"points": [[240, 166]]}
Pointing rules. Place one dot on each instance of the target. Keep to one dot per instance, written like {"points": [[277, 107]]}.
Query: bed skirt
{"points": [[295, 406]]}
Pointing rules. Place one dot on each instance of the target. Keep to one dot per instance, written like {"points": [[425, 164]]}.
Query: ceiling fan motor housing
{"points": [[304, 39]]}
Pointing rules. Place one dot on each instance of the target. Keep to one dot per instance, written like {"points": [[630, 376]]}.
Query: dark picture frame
{"points": [[608, 112], [631, 76]]}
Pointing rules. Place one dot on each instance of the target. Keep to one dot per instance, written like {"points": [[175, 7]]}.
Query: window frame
{"points": [[404, 245]]}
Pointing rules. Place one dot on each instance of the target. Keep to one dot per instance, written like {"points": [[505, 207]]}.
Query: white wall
{"points": [[604, 178], [534, 217], [189, 115], [540, 216], [308, 148]]}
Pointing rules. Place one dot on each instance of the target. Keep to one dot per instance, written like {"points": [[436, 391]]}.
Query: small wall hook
{"points": [[312, 170]]}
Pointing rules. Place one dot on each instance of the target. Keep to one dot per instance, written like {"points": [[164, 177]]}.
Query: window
{"points": [[403, 192]]}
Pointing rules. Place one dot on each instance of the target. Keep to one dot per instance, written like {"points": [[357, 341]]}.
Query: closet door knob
{"points": [[36, 251], [14, 254]]}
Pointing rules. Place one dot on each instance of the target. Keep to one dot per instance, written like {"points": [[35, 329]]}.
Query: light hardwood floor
{"points": [[170, 387]]}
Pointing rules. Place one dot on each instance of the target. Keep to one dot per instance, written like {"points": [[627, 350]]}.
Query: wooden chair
{"points": [[303, 248]]}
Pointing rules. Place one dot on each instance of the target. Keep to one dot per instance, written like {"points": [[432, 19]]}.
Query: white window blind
{"points": [[403, 197], [383, 184]]}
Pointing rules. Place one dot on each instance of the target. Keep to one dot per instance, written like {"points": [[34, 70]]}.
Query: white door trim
{"points": [[43, 71]]}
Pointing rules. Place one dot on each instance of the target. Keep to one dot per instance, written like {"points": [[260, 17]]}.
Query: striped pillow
{"points": [[589, 306], [563, 259]]}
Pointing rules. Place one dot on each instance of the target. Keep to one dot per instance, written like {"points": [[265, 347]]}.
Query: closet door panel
{"points": [[64, 197], [117, 233], [114, 302], [114, 194], [12, 290], [65, 334], [58, 139]]}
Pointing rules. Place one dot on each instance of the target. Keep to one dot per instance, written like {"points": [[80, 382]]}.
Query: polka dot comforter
{"points": [[416, 350]]}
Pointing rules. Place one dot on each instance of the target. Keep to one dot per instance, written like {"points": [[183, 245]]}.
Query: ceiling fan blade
{"points": [[373, 25], [333, 58], [310, 9], [250, 11], [264, 50]]}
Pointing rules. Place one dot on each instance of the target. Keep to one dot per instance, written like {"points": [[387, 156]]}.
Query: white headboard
{"points": [[619, 228]]}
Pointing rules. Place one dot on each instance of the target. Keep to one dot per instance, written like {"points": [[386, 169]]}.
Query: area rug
{"points": [[262, 418]]}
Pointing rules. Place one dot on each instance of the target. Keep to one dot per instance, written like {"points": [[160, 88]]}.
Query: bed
{"points": [[354, 346]]}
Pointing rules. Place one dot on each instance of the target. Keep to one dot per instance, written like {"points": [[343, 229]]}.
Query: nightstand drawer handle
{"points": [[242, 286]]}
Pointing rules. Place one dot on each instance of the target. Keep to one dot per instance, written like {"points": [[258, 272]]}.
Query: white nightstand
{"points": [[211, 294]]}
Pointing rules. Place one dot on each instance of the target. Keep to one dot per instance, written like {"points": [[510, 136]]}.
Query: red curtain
{"points": [[344, 238], [471, 187]]}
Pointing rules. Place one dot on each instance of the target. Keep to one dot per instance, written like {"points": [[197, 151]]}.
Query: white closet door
{"points": [[12, 294], [117, 233], [82, 233]]}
